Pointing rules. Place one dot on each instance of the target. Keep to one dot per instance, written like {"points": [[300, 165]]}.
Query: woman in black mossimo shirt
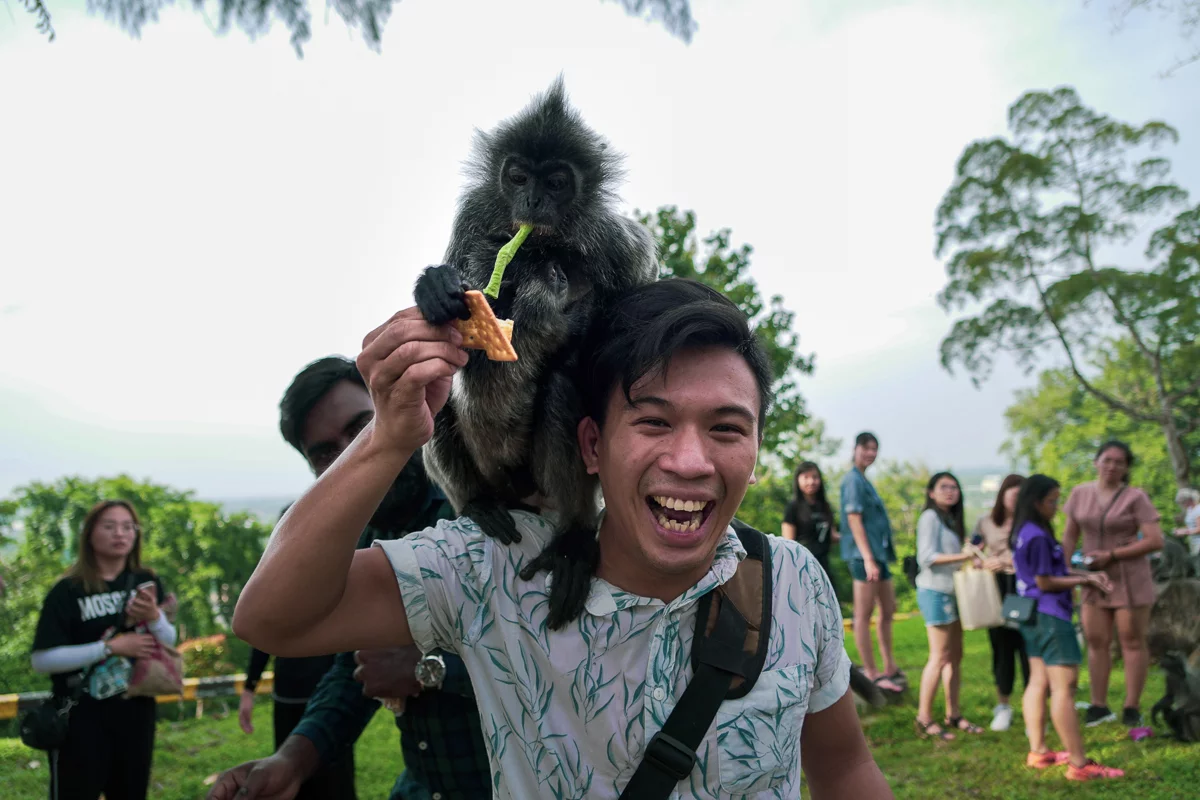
{"points": [[808, 518], [83, 638]]}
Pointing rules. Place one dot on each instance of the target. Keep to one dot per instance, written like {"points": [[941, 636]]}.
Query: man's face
{"points": [[331, 425], [674, 466]]}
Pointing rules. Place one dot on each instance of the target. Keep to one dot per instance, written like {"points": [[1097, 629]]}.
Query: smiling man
{"points": [[675, 391]]}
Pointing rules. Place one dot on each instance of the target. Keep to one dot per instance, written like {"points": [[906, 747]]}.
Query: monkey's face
{"points": [[674, 465], [540, 193]]}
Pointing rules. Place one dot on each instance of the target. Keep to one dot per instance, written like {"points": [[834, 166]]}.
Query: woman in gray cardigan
{"points": [[939, 555]]}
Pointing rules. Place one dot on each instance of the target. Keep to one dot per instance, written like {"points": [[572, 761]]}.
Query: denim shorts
{"points": [[938, 608], [858, 570], [1053, 640]]}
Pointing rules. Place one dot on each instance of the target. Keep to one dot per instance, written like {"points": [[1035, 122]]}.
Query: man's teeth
{"points": [[682, 527], [679, 505]]}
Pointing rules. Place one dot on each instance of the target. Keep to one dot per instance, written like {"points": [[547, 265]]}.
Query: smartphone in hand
{"points": [[141, 587]]}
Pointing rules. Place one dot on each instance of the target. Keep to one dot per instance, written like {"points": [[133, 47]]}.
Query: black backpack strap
{"points": [[719, 658]]}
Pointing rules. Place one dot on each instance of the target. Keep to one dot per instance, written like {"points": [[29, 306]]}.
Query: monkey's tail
{"points": [[571, 558]]}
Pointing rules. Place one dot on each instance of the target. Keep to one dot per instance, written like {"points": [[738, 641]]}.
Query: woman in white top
{"points": [[1189, 501], [939, 555]]}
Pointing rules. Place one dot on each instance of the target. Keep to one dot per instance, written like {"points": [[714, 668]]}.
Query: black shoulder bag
{"points": [[45, 726], [733, 624]]}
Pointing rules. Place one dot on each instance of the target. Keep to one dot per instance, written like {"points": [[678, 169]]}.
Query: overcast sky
{"points": [[186, 220]]}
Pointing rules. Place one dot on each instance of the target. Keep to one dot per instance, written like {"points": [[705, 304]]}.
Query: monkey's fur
{"points": [[1173, 638], [508, 431]]}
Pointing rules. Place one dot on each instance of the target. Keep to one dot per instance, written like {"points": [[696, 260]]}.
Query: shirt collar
{"points": [[604, 599]]}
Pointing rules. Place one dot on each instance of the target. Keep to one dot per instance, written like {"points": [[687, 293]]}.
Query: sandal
{"points": [[962, 725], [923, 731]]}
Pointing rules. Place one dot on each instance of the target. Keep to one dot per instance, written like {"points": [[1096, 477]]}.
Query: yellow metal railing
{"points": [[197, 689]]}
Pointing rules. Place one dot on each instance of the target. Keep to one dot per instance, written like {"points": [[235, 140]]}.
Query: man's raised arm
{"points": [[313, 593]]}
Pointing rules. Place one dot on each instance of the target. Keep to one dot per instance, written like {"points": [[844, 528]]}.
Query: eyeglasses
{"points": [[125, 527]]}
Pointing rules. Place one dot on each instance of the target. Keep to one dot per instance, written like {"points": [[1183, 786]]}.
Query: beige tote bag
{"points": [[979, 601]]}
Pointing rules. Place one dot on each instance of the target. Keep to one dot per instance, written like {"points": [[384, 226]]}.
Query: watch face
{"points": [[430, 671]]}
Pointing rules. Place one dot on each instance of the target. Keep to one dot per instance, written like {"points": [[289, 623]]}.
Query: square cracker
{"points": [[484, 332]]}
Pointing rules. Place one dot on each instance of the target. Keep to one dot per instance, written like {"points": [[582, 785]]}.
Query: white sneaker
{"points": [[1002, 718]]}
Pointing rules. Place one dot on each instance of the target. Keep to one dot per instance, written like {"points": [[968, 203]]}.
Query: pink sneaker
{"points": [[1091, 771]]}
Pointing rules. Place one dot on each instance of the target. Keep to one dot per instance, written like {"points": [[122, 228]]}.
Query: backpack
{"points": [[728, 653]]}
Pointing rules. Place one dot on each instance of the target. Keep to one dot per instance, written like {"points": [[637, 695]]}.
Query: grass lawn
{"points": [[983, 767], [991, 765], [188, 751]]}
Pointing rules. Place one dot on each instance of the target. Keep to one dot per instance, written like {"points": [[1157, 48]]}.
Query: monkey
{"points": [[1180, 706], [1171, 562], [1174, 621], [508, 431], [1173, 639]]}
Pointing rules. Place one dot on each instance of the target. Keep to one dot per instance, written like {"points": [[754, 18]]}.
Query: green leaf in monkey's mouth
{"points": [[502, 258]]}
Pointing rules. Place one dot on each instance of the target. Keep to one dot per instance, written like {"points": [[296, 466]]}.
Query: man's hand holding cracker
{"points": [[408, 366]]}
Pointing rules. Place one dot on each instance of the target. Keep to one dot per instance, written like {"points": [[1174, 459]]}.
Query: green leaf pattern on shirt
{"points": [[566, 714]]}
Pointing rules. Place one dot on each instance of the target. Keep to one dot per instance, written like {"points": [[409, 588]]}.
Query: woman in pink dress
{"points": [[1110, 513]]}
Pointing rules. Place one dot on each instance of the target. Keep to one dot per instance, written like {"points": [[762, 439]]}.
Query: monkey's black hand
{"points": [[440, 295], [493, 519]]}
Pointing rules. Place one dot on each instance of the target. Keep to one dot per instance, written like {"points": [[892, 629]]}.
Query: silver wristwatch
{"points": [[431, 671]]}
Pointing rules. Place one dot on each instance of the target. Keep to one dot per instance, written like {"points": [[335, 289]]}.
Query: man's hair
{"points": [[307, 389], [637, 336], [865, 438], [648, 326]]}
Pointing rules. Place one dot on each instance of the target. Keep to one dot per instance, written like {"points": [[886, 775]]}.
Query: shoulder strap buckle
{"points": [[670, 755]]}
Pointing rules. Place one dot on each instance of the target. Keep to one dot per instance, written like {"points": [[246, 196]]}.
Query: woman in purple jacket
{"points": [[1054, 654]]}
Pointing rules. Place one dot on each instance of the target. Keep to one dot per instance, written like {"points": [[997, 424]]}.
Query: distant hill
{"points": [[266, 509]]}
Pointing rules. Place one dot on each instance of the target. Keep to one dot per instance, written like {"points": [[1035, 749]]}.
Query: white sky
{"points": [[186, 220]]}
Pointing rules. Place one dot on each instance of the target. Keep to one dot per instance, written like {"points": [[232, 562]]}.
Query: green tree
{"points": [[1056, 426], [1025, 227], [201, 554], [789, 433], [256, 17]]}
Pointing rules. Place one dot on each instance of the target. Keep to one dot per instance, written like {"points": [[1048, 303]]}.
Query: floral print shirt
{"points": [[566, 713]]}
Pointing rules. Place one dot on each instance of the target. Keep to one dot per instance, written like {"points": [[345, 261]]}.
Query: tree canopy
{"points": [[1027, 228], [789, 433], [1056, 426], [257, 17]]}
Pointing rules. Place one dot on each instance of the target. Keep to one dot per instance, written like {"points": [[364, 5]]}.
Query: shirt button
{"points": [[659, 694], [437, 796], [423, 745]]}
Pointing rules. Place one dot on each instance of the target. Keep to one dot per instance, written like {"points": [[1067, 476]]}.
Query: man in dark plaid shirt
{"points": [[440, 737]]}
